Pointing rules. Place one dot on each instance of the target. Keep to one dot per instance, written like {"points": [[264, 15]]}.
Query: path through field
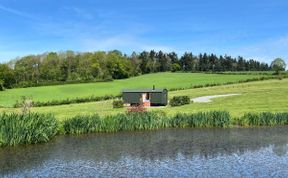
{"points": [[207, 99]]}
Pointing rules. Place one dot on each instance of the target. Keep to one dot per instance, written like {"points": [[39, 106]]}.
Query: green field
{"points": [[268, 95], [160, 80]]}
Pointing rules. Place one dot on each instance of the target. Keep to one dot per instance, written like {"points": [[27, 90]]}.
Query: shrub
{"points": [[25, 103], [179, 100], [118, 104], [26, 128]]}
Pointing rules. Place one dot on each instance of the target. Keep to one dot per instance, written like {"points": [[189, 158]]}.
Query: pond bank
{"points": [[36, 128]]}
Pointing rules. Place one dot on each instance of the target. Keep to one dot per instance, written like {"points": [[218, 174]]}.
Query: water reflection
{"points": [[172, 150]]}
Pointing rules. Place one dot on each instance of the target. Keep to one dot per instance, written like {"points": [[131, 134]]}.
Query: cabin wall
{"points": [[132, 97], [155, 98]]}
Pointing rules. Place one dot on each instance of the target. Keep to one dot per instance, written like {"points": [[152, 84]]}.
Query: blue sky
{"points": [[250, 28]]}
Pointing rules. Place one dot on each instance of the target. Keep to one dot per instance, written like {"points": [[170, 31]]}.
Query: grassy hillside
{"points": [[165, 80], [269, 95]]}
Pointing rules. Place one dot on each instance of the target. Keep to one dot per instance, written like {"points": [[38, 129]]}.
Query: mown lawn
{"points": [[160, 80], [269, 95]]}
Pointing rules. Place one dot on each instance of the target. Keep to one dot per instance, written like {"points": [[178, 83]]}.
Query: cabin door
{"points": [[146, 99]]}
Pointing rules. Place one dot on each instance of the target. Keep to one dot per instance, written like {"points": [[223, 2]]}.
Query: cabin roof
{"points": [[158, 90]]}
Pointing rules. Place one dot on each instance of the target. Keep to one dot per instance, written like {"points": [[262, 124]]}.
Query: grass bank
{"points": [[172, 81], [260, 96], [35, 128]]}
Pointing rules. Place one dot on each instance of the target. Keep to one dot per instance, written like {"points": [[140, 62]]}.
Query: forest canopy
{"points": [[70, 66]]}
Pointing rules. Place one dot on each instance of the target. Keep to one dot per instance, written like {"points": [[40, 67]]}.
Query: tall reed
{"points": [[26, 128], [114, 123], [263, 119], [201, 119], [144, 121]]}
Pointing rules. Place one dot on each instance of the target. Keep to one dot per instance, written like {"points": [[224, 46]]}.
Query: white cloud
{"points": [[264, 51], [16, 12], [80, 12]]}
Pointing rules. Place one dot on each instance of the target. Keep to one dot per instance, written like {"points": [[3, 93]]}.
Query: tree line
{"points": [[71, 66]]}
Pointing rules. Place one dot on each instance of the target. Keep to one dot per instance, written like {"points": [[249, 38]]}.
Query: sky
{"points": [[255, 29]]}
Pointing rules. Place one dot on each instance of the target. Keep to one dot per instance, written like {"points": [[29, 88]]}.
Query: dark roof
{"points": [[158, 90]]}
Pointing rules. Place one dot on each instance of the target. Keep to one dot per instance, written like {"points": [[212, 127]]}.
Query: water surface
{"points": [[237, 152]]}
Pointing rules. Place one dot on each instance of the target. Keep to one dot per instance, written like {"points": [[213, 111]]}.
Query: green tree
{"points": [[2, 85], [6, 76], [27, 69], [187, 61], [118, 66], [50, 67], [278, 65], [175, 67]]}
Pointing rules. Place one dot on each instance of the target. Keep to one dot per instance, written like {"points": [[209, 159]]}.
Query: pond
{"points": [[235, 152]]}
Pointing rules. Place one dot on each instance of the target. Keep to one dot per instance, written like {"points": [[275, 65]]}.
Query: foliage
{"points": [[119, 122], [26, 128], [25, 103], [7, 76], [263, 119], [157, 120], [179, 100], [278, 65], [69, 66], [118, 104], [175, 67], [2, 88], [36, 128], [81, 124], [202, 119], [144, 121]]}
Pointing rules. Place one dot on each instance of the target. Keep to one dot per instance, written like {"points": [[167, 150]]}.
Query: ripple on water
{"points": [[165, 153]]}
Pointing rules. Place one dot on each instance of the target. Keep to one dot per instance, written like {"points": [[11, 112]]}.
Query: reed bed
{"points": [[144, 121], [119, 122], [263, 119], [34, 128], [28, 128], [201, 119]]}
